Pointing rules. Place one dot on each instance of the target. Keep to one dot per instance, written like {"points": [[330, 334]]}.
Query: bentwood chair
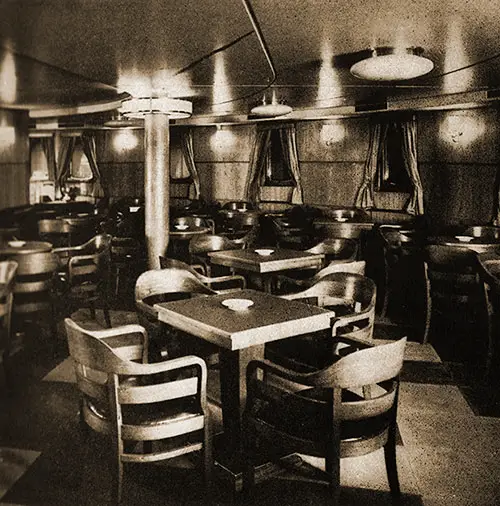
{"points": [[220, 284], [151, 411], [84, 273], [165, 285], [347, 409], [7, 277], [352, 297], [458, 319]]}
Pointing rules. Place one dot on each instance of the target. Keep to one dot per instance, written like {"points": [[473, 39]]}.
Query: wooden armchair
{"points": [[152, 412], [84, 273], [8, 270], [200, 246], [288, 284], [458, 318], [164, 285], [352, 297], [346, 409], [220, 284], [34, 290]]}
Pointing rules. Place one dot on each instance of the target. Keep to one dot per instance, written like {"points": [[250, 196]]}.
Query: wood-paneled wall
{"points": [[14, 160], [458, 163]]}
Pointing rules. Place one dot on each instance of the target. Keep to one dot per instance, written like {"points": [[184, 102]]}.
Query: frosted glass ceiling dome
{"points": [[393, 66]]}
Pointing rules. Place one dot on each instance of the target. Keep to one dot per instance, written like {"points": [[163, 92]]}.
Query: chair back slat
{"points": [[146, 394]]}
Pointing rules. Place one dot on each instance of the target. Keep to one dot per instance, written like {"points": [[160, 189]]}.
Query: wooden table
{"points": [[241, 336], [280, 260], [477, 244], [6, 250]]}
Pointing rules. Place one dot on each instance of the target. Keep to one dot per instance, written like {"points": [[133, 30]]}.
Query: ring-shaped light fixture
{"points": [[389, 64], [172, 107]]}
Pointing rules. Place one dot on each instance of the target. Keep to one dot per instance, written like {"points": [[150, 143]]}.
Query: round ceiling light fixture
{"points": [[390, 64], [271, 110], [173, 107]]}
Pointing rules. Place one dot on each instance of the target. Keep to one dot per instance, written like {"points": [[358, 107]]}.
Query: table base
{"points": [[228, 466]]}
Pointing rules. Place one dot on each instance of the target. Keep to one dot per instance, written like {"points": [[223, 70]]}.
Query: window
{"points": [[178, 167], [277, 168], [391, 172], [79, 166], [38, 161]]}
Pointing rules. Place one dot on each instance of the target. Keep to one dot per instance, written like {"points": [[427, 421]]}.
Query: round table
{"points": [[476, 244], [28, 247]]}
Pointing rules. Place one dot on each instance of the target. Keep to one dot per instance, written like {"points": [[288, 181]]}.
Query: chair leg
{"points": [[391, 466], [117, 492], [92, 311], [207, 458], [107, 317], [332, 468]]}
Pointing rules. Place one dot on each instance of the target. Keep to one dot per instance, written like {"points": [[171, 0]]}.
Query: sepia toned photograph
{"points": [[249, 253]]}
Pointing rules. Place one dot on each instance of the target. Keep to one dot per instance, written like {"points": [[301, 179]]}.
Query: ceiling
{"points": [[64, 57]]}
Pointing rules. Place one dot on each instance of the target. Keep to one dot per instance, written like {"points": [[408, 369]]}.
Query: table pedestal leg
{"points": [[233, 366]]}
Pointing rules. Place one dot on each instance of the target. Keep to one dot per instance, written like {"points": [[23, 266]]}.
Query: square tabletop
{"points": [[280, 259], [269, 318]]}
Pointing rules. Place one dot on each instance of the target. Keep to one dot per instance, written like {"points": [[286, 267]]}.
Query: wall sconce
{"points": [[125, 140], [332, 133], [461, 129], [222, 139]]}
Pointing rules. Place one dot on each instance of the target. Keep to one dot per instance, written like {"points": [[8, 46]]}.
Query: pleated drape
{"points": [[66, 149], [49, 151], [256, 164], [288, 138], [89, 148], [415, 205], [365, 196], [186, 137]]}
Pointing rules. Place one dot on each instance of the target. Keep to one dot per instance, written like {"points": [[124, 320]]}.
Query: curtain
{"points": [[66, 148], [365, 198], [188, 153], [256, 164], [415, 204], [290, 153], [49, 150], [89, 148]]}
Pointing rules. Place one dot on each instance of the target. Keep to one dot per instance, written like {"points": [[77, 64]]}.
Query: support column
{"points": [[156, 185]]}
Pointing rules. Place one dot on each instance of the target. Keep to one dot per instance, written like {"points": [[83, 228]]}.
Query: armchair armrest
{"points": [[170, 365], [146, 309], [223, 279], [67, 250], [118, 338], [199, 268]]}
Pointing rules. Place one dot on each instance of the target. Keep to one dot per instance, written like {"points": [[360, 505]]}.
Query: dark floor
{"points": [[448, 453]]}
